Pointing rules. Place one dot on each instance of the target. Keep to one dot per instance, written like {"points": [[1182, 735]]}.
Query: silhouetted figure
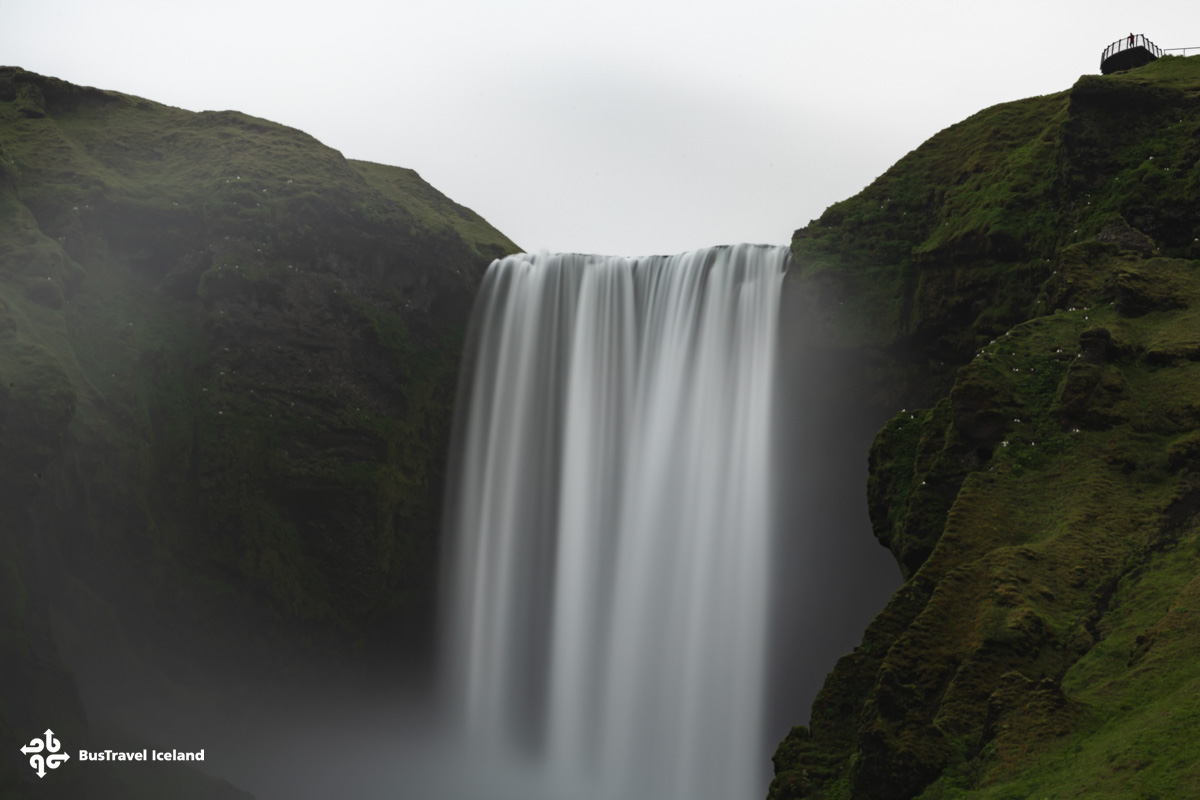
{"points": [[1129, 53]]}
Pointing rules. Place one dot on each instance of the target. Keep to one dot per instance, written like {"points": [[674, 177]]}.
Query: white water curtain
{"points": [[610, 516]]}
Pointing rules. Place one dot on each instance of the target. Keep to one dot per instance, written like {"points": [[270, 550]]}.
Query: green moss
{"points": [[228, 355], [1044, 511], [433, 210], [957, 237]]}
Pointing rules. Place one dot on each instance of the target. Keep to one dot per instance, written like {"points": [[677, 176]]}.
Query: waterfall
{"points": [[609, 521]]}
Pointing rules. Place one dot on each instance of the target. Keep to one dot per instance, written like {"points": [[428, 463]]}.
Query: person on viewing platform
{"points": [[1131, 40]]}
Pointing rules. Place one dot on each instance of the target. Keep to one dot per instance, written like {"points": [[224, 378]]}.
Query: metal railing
{"points": [[1130, 42], [1184, 49]]}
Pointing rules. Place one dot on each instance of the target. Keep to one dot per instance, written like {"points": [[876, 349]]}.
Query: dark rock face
{"points": [[1034, 292], [1126, 238], [227, 366]]}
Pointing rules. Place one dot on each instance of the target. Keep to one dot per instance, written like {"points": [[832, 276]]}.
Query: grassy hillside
{"points": [[227, 364], [1030, 277]]}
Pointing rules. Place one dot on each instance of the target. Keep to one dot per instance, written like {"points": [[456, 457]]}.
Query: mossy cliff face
{"points": [[227, 364], [1030, 277]]}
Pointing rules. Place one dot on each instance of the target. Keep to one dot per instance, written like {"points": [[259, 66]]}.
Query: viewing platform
{"points": [[1132, 51]]}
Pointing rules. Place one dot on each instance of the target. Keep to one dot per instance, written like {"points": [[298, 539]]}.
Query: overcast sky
{"points": [[615, 126]]}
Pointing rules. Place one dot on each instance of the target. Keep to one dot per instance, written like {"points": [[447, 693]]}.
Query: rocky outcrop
{"points": [[1032, 273], [227, 365]]}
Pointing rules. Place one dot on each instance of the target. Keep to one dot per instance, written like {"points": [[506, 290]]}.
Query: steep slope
{"points": [[227, 365], [1031, 278]]}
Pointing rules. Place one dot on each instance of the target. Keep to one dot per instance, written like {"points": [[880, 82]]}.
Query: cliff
{"points": [[1026, 286], [227, 366]]}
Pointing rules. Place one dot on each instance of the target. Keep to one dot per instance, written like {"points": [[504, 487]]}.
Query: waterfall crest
{"points": [[609, 520]]}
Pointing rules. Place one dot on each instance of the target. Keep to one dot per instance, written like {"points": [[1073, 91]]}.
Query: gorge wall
{"points": [[227, 369], [1025, 287]]}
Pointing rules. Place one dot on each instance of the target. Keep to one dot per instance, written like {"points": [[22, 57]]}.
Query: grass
{"points": [[1042, 506]]}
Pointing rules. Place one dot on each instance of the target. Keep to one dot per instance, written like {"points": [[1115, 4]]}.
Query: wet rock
{"points": [[1127, 238], [1094, 345]]}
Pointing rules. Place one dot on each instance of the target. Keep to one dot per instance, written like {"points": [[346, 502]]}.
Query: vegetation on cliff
{"points": [[227, 365], [1031, 278]]}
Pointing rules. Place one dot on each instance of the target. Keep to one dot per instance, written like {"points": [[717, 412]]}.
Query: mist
{"points": [[317, 730], [831, 576]]}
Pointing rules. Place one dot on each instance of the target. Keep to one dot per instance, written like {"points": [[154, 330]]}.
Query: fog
{"points": [[831, 576], [318, 732]]}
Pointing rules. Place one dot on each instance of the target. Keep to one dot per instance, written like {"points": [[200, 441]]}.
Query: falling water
{"points": [[609, 517]]}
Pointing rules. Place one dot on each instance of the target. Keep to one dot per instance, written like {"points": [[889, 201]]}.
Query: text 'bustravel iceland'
{"points": [[43, 752], [141, 755]]}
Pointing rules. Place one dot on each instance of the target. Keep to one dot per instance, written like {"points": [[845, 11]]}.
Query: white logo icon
{"points": [[52, 758]]}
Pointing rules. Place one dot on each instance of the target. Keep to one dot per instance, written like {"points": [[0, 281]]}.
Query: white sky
{"points": [[613, 126]]}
